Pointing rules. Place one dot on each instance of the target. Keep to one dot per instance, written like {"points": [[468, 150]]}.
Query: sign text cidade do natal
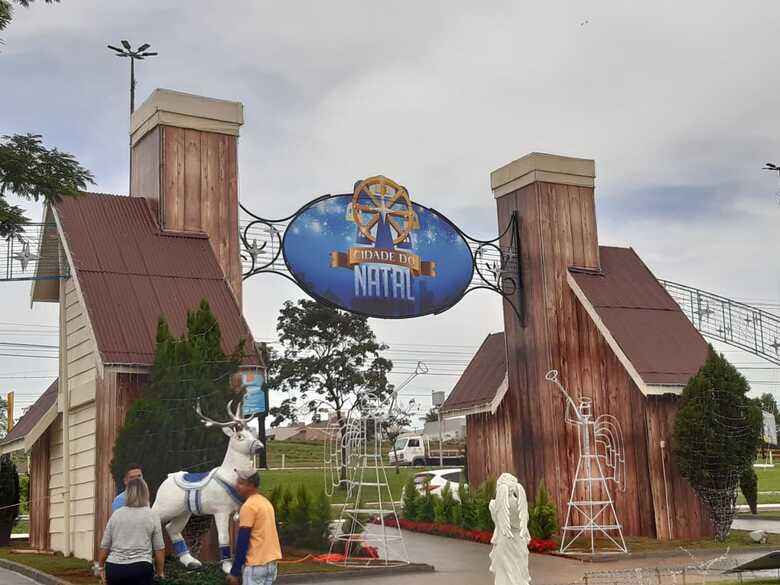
{"points": [[377, 253]]}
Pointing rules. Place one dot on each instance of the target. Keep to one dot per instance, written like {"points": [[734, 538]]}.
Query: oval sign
{"points": [[377, 253]]}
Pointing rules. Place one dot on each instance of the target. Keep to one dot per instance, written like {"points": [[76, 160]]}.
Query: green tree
{"points": [[9, 498], [286, 505], [7, 11], [32, 171], [162, 432], [432, 415], [27, 168], [481, 502], [329, 358], [300, 517], [411, 499], [542, 521], [748, 485], [717, 432], [321, 516], [426, 509]]}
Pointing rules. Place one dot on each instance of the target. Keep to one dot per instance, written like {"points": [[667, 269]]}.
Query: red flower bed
{"points": [[536, 545], [540, 545]]}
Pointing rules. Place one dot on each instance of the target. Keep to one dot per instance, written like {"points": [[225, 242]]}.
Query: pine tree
{"points": [[717, 433], [321, 516], [9, 498], [411, 500], [748, 485], [542, 521]]}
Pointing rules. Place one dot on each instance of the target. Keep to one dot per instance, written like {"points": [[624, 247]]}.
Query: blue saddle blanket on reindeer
{"points": [[193, 481]]}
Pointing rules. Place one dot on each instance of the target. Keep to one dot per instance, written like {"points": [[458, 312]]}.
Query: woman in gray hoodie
{"points": [[132, 537]]}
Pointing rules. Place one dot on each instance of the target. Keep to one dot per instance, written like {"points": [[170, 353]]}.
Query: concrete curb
{"points": [[663, 554], [46, 579], [34, 574], [355, 574]]}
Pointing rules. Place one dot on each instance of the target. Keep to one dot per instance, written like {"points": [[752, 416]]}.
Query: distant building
{"points": [[282, 433]]}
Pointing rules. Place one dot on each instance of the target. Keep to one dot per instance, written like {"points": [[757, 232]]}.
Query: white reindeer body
{"points": [[183, 494]]}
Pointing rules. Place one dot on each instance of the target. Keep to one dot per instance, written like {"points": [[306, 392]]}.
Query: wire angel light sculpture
{"points": [[591, 514], [369, 518]]}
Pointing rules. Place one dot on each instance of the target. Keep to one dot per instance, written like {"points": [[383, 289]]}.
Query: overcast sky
{"points": [[676, 102]]}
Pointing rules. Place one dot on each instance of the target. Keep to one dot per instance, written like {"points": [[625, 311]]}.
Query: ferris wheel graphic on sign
{"points": [[591, 515], [381, 200]]}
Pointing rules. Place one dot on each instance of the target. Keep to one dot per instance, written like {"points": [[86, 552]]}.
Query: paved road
{"points": [[459, 562], [11, 578]]}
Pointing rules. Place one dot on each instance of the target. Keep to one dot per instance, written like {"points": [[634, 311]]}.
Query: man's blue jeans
{"points": [[259, 574]]}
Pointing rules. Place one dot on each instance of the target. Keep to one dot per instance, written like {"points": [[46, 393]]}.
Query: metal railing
{"points": [[746, 327]]}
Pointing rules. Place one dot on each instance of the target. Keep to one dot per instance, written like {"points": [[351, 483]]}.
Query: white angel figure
{"points": [[509, 557]]}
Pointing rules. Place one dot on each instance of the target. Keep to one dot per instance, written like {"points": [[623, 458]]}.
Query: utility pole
{"points": [[9, 401], [437, 398]]}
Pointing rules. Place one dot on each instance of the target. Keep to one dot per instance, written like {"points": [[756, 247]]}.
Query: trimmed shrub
{"points": [[283, 514], [468, 511], [321, 516], [485, 493], [748, 485], [9, 498], [411, 500], [426, 510], [300, 518], [542, 522], [445, 506]]}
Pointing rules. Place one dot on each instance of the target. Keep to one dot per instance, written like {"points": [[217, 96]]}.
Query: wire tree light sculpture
{"points": [[357, 452], [721, 421], [591, 514]]}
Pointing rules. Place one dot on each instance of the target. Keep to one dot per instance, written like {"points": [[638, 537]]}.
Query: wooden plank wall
{"points": [[145, 169], [558, 231], [56, 506], [115, 394], [687, 521], [489, 444], [39, 493], [199, 182]]}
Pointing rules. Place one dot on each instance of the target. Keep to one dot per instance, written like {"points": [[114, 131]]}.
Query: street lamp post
{"points": [[140, 53]]}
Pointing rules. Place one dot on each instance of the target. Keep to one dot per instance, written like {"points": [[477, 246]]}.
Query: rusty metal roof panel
{"points": [[482, 378], [650, 328], [39, 408], [131, 273]]}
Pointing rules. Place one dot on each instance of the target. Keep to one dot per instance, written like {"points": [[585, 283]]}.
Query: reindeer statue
{"points": [[183, 494]]}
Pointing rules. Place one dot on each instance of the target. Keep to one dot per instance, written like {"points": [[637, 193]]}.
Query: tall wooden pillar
{"points": [[554, 199], [184, 160]]}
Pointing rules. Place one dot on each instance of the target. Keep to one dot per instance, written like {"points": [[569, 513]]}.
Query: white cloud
{"points": [[436, 95]]}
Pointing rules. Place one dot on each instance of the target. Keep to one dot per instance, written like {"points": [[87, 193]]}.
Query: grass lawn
{"points": [[301, 453], [22, 527], [314, 480], [71, 570]]}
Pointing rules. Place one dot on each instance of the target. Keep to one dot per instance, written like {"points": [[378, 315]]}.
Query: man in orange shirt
{"points": [[257, 545]]}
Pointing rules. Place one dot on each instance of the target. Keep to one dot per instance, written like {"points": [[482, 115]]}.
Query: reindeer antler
{"points": [[235, 416], [210, 422]]}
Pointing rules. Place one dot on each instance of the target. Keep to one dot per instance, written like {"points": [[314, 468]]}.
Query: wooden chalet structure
{"points": [[599, 316], [129, 260]]}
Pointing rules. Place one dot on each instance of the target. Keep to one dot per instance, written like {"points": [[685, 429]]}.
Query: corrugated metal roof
{"points": [[651, 330], [482, 377], [131, 273], [33, 415]]}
